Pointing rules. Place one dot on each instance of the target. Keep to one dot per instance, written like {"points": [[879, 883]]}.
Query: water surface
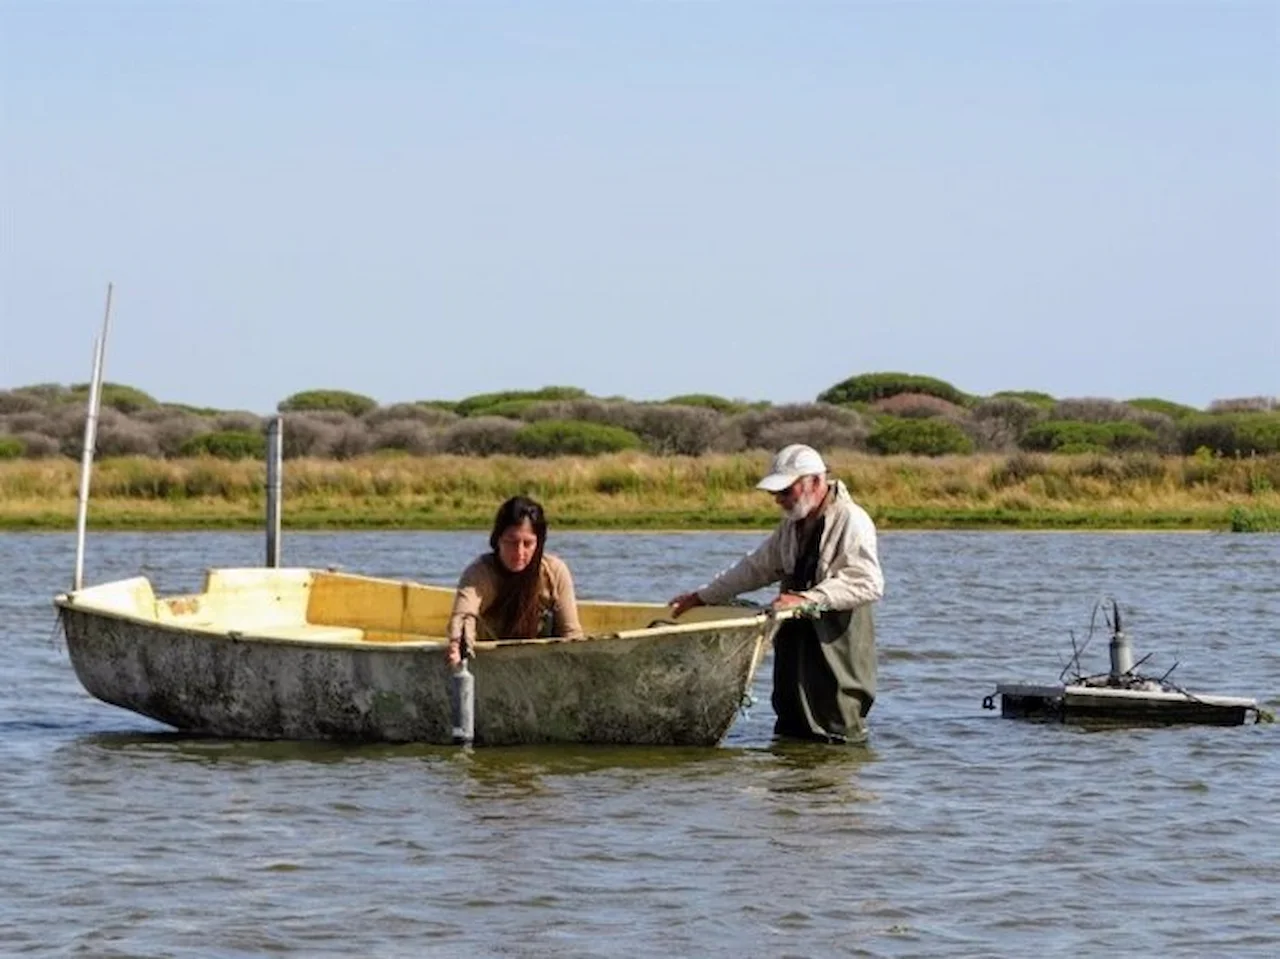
{"points": [[954, 833]]}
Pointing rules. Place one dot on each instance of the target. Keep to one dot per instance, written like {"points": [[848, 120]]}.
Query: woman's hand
{"points": [[463, 644]]}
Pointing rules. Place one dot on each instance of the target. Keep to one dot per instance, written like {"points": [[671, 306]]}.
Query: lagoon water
{"points": [[953, 833]]}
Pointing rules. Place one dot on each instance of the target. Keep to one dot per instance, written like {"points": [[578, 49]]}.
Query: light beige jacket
{"points": [[849, 573], [478, 591]]}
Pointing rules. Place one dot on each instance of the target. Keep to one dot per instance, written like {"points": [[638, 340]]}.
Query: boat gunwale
{"points": [[68, 602]]}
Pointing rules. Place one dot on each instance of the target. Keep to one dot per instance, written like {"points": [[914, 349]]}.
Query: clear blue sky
{"points": [[428, 200]]}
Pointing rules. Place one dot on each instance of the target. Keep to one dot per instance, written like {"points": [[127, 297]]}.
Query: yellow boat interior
{"points": [[316, 606]]}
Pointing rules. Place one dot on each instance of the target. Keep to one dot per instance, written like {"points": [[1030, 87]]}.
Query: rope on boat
{"points": [[56, 631]]}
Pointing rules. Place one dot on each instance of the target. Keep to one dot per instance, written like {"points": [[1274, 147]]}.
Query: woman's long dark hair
{"points": [[516, 613]]}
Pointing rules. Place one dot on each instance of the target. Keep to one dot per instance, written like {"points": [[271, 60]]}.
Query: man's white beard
{"points": [[801, 508]]}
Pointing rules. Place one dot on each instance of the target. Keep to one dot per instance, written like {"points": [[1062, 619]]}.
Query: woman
{"points": [[517, 591]]}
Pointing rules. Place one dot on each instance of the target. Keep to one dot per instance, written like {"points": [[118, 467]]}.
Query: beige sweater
{"points": [[478, 590], [849, 573]]}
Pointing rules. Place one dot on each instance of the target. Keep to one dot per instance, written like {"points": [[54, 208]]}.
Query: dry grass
{"points": [[634, 490]]}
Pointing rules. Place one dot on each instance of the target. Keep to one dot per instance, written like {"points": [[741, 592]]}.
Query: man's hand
{"points": [[684, 602], [786, 601], [454, 656]]}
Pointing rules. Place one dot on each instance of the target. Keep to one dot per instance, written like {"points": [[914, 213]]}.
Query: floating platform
{"points": [[1108, 704], [1120, 697]]}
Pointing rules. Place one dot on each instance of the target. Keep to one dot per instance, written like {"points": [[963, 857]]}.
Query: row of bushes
{"points": [[861, 391], [322, 436], [882, 413]]}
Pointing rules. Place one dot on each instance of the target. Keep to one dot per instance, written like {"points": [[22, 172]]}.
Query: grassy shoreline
{"points": [[633, 491]]}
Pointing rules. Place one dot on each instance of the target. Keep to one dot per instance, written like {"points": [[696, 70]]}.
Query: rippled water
{"points": [[955, 832]]}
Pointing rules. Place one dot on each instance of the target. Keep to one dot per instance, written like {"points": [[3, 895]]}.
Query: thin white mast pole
{"points": [[90, 440]]}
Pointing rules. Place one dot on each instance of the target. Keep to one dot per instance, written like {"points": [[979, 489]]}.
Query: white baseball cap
{"points": [[791, 463]]}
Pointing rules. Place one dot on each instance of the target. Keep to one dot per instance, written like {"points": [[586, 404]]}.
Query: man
{"points": [[824, 553]]}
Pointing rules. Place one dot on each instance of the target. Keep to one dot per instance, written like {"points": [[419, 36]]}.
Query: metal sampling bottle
{"points": [[462, 695]]}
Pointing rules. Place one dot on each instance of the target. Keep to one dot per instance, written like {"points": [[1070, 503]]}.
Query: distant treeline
{"points": [[878, 413]]}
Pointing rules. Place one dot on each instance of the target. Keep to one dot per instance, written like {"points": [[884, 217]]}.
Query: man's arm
{"points": [[757, 569]]}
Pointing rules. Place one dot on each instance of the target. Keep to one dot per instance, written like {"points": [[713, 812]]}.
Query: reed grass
{"points": [[639, 491]]}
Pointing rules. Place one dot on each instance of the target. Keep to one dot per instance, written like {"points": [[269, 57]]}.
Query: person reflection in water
{"points": [[516, 591], [823, 553]]}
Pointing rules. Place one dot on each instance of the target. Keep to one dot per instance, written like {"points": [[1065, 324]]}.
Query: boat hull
{"points": [[674, 685]]}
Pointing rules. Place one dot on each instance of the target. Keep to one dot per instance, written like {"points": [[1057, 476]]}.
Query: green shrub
{"points": [[449, 406], [1254, 520], [708, 400], [204, 411], [312, 400], [480, 404], [1259, 435], [869, 387], [1130, 437], [665, 429], [1155, 405], [126, 399], [11, 448], [1074, 436], [1230, 434], [226, 445], [511, 409], [1042, 400], [560, 438], [931, 437]]}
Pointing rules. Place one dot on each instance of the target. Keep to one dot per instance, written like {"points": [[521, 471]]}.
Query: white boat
{"points": [[269, 653]]}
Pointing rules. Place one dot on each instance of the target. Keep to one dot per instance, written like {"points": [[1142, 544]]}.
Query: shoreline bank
{"points": [[636, 492]]}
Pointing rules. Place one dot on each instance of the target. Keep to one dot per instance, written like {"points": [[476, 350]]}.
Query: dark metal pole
{"points": [[275, 469]]}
